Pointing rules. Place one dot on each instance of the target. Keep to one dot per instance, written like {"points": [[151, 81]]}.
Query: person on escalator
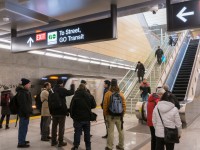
{"points": [[145, 90], [140, 71], [159, 53], [152, 102], [174, 98]]}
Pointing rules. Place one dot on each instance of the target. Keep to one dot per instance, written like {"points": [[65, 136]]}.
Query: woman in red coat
{"points": [[152, 101]]}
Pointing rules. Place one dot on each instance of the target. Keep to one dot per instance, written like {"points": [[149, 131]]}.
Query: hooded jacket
{"points": [[81, 105], [152, 102], [24, 101], [170, 116]]}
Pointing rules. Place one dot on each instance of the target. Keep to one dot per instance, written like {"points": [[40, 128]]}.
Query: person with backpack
{"points": [[80, 111], [145, 90], [106, 88], [152, 102], [165, 114], [45, 114], [114, 108], [140, 71], [58, 109], [6, 95], [159, 53], [24, 104]]}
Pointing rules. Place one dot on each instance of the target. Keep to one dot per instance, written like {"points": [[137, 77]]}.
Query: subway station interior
{"points": [[98, 40]]}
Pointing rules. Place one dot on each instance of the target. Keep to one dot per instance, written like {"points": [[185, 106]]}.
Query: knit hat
{"points": [[25, 81], [60, 81], [107, 82], [114, 82], [160, 90], [83, 81]]}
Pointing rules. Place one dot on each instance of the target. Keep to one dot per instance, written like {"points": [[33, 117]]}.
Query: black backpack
{"points": [[38, 102], [13, 105], [54, 101]]}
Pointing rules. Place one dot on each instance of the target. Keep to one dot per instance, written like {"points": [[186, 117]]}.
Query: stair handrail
{"points": [[190, 92], [172, 58]]}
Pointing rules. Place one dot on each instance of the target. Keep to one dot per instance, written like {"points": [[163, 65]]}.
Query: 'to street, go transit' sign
{"points": [[76, 34], [184, 15]]}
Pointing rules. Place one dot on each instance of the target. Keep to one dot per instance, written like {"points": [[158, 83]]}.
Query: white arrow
{"points": [[181, 15], [30, 41]]}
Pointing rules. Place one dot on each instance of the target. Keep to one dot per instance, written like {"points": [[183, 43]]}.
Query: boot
{"points": [[7, 126]]}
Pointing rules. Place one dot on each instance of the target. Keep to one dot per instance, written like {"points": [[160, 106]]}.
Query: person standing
{"points": [[171, 41], [45, 114], [6, 95], [106, 88], [141, 71], [59, 115], [24, 101], [159, 53], [80, 110], [146, 90], [152, 102], [112, 119], [171, 119]]}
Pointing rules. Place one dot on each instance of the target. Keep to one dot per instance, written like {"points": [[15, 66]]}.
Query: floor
{"points": [[135, 139]]}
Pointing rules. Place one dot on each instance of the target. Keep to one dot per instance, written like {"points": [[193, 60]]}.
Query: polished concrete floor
{"points": [[135, 139]]}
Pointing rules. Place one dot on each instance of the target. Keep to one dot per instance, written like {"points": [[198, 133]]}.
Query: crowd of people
{"points": [[54, 111]]}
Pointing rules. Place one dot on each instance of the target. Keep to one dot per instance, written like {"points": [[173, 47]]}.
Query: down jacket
{"points": [[170, 116]]}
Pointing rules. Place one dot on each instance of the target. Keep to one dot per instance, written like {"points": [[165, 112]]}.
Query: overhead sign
{"points": [[185, 15], [77, 34]]}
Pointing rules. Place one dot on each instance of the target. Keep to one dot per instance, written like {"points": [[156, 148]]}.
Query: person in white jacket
{"points": [[171, 119]]}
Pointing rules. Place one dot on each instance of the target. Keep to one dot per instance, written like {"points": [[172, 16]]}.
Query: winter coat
{"points": [[24, 101], [104, 92], [141, 70], [145, 88], [62, 92], [5, 110], [81, 105], [152, 102], [107, 102], [159, 53], [44, 99], [170, 116]]}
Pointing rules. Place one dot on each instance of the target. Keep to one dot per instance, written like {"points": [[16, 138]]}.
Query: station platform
{"points": [[137, 136]]}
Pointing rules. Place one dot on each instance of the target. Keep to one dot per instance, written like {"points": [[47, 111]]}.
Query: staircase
{"points": [[182, 80]]}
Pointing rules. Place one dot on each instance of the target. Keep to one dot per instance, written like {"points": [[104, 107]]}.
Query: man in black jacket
{"points": [[24, 102], [159, 53], [141, 71], [59, 115], [80, 111]]}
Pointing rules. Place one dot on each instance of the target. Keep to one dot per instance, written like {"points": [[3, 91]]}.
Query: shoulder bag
{"points": [[170, 134]]}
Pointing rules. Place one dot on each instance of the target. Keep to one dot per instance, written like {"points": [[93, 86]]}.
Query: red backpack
{"points": [[5, 98]]}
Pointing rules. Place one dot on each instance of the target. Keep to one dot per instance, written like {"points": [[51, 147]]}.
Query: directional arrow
{"points": [[181, 15], [30, 41]]}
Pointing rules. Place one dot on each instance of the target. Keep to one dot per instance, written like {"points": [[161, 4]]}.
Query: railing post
{"points": [[131, 105]]}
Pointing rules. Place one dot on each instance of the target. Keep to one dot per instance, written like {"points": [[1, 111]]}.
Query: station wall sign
{"points": [[184, 15], [76, 34]]}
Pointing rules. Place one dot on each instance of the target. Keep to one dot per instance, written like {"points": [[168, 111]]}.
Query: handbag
{"points": [[170, 134]]}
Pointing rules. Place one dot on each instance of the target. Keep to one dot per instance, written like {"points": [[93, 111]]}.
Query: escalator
{"points": [[183, 77]]}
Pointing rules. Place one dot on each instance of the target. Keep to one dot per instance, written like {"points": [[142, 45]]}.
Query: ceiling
{"points": [[28, 16]]}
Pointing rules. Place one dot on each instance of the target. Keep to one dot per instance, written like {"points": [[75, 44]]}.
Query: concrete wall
{"points": [[15, 66]]}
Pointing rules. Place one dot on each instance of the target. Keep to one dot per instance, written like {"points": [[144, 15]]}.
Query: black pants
{"points": [[46, 121], [159, 59], [58, 121], [160, 143], [153, 138], [78, 128], [140, 77], [7, 119]]}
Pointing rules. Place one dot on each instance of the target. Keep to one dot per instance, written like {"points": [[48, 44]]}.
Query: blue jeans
{"points": [[23, 129], [145, 97], [78, 128]]}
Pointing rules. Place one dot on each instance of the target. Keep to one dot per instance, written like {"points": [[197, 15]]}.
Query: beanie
{"points": [[107, 82], [83, 81], [25, 81], [60, 81], [114, 82]]}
